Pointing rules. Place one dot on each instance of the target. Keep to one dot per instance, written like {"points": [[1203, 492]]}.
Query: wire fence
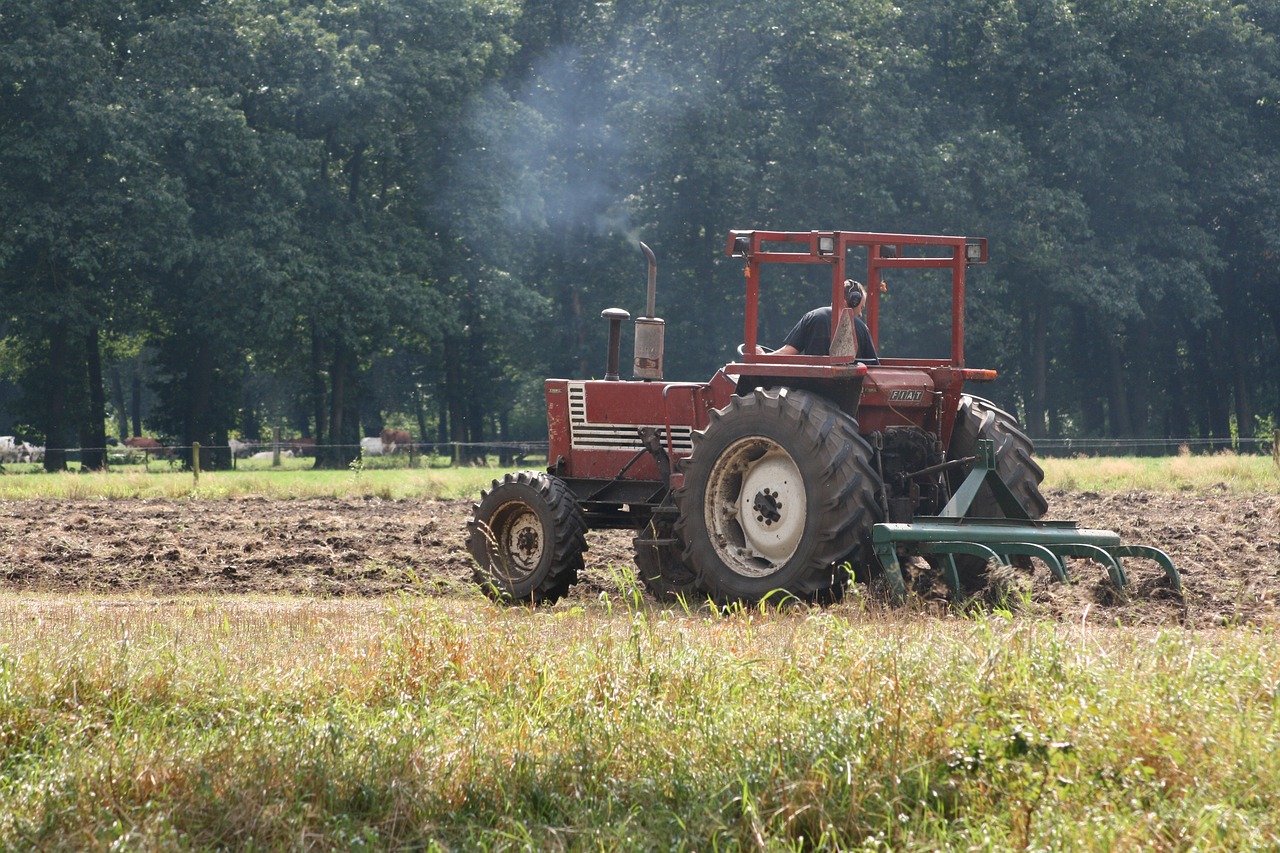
{"points": [[417, 454], [1151, 446], [455, 453]]}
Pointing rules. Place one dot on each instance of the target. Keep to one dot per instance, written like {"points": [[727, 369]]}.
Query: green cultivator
{"points": [[1016, 535]]}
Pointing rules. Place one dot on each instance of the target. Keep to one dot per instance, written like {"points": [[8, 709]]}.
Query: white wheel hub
{"points": [[756, 507], [521, 536]]}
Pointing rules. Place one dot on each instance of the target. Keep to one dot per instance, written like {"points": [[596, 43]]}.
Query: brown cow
{"points": [[148, 445], [304, 446], [395, 440]]}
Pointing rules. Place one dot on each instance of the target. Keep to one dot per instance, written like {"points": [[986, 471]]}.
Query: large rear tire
{"points": [[979, 419], [778, 489], [527, 536]]}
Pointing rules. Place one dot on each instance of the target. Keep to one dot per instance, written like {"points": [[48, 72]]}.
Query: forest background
{"points": [[218, 218]]}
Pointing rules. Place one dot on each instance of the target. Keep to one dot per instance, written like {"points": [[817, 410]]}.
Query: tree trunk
{"points": [[344, 414], [1240, 373], [420, 411], [1037, 374], [55, 407], [457, 404], [198, 392], [1138, 382], [1117, 398], [1214, 412], [478, 392], [93, 432], [122, 404], [319, 409], [506, 454], [135, 401]]}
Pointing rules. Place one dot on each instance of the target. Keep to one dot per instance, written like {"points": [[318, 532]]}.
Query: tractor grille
{"points": [[589, 436]]}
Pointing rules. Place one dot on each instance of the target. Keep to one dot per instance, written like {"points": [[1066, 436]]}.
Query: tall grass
{"points": [[1183, 473], [295, 480], [284, 484], [454, 724]]}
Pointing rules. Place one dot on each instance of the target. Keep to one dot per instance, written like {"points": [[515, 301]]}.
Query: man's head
{"points": [[854, 293]]}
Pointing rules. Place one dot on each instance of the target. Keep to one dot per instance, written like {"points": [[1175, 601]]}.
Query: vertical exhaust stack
{"points": [[650, 330], [615, 316]]}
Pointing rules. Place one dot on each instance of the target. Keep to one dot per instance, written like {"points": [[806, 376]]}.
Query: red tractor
{"points": [[784, 474]]}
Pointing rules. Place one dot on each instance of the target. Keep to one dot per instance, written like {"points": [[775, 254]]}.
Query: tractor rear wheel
{"points": [[778, 489], [660, 567], [978, 419], [527, 536]]}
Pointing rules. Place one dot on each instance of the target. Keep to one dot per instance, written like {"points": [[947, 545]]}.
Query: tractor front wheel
{"points": [[527, 536], [778, 489]]}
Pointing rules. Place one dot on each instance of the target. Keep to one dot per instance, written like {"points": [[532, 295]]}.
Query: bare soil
{"points": [[1226, 547]]}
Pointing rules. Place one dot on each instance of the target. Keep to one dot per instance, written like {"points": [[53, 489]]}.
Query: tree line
{"points": [[223, 217]]}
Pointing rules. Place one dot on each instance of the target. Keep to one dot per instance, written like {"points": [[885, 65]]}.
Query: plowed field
{"points": [[1227, 548]]}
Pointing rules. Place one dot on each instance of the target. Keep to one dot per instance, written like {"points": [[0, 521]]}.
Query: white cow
{"points": [[12, 450], [371, 446], [270, 454]]}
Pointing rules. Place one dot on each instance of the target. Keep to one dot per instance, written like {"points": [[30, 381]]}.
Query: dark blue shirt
{"points": [[812, 336]]}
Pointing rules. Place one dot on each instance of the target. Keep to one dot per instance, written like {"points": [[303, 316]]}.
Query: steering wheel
{"points": [[742, 350]]}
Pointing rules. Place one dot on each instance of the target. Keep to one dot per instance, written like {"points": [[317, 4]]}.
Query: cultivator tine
{"points": [[1150, 553], [888, 554], [949, 550], [1099, 555]]}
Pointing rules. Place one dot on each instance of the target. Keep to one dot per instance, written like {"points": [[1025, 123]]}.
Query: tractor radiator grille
{"points": [[589, 436]]}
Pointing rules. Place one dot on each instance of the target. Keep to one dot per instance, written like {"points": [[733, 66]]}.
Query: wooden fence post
{"points": [[195, 460], [1275, 447]]}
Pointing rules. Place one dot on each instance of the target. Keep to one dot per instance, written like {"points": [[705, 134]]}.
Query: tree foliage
{"points": [[334, 216]]}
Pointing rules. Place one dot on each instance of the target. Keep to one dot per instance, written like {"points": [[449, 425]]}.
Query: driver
{"points": [[812, 335]]}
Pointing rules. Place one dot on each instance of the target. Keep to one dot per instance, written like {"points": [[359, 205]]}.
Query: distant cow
{"points": [[239, 449], [394, 440], [12, 450], [371, 446], [148, 445], [271, 454], [304, 446]]}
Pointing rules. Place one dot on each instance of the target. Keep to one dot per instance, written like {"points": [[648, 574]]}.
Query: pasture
{"points": [[156, 693]]}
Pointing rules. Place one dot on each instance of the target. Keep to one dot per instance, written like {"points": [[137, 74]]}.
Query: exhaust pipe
{"points": [[652, 291], [615, 316], [650, 330]]}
